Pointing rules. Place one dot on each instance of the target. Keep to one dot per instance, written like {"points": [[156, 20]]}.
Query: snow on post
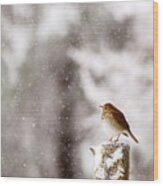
{"points": [[111, 161]]}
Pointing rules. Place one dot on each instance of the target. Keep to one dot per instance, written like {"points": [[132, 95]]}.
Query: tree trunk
{"points": [[66, 78]]}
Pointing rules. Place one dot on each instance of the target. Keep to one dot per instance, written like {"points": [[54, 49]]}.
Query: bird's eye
{"points": [[106, 108]]}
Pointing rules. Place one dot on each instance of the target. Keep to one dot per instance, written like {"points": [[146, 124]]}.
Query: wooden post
{"points": [[111, 161]]}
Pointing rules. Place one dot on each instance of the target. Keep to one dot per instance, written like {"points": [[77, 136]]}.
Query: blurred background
{"points": [[59, 63]]}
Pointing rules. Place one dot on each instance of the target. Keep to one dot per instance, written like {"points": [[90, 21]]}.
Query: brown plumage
{"points": [[116, 119]]}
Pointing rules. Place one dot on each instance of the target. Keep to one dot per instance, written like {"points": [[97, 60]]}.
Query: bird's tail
{"points": [[132, 136]]}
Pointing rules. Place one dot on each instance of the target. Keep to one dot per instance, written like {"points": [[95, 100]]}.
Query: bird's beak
{"points": [[101, 106]]}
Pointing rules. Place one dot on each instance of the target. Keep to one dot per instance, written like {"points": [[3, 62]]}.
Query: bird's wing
{"points": [[120, 118]]}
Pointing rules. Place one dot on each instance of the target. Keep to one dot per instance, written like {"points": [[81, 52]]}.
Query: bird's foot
{"points": [[110, 139], [116, 139]]}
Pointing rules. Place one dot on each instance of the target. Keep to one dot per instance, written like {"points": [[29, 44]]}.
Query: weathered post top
{"points": [[111, 160]]}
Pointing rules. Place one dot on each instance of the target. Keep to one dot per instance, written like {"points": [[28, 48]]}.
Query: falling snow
{"points": [[59, 63]]}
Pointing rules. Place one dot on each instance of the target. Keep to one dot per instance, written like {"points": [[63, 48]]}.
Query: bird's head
{"points": [[106, 107]]}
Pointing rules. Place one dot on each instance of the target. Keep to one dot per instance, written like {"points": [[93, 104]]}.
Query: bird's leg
{"points": [[117, 139], [110, 139]]}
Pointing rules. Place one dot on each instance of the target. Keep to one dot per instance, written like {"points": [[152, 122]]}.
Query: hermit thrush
{"points": [[114, 119]]}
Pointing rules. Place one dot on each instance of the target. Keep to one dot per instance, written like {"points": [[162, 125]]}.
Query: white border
{"points": [[56, 1]]}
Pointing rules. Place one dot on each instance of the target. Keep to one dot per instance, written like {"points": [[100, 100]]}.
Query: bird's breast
{"points": [[110, 126]]}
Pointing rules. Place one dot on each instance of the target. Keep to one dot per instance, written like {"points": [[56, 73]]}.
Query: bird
{"points": [[114, 119]]}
